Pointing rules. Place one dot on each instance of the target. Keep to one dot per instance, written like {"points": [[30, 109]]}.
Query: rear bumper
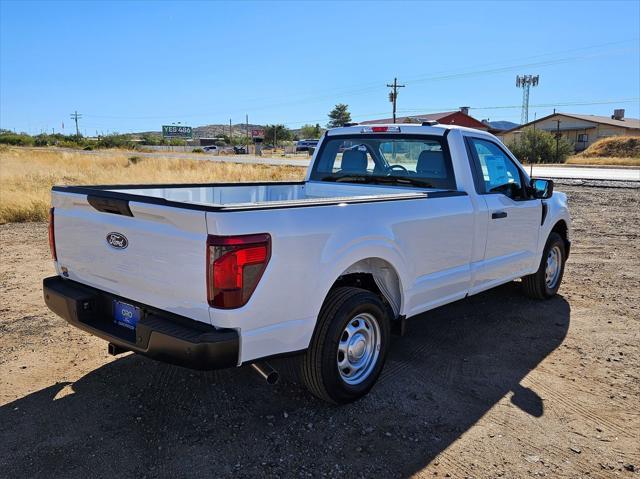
{"points": [[159, 335]]}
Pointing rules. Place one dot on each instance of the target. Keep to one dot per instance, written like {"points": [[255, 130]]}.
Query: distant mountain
{"points": [[502, 125]]}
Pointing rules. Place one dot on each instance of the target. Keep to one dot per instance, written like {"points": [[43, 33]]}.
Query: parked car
{"points": [[211, 148], [220, 275], [306, 145], [240, 150]]}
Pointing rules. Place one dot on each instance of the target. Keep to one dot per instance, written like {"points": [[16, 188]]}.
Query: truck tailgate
{"points": [[157, 256]]}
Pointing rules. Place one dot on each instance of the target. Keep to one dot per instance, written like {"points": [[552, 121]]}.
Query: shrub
{"points": [[67, 144], [197, 150], [41, 140], [539, 146], [16, 139], [151, 139], [114, 141]]}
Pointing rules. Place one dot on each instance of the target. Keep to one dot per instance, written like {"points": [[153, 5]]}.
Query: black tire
{"points": [[319, 369], [535, 285]]}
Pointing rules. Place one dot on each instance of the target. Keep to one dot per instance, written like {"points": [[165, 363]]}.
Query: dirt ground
{"points": [[493, 386]]}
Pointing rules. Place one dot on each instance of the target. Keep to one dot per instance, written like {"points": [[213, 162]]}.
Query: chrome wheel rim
{"points": [[358, 348], [552, 270]]}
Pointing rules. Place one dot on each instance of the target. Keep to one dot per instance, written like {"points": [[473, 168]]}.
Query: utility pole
{"points": [[246, 117], [525, 82], [393, 95], [557, 138], [230, 131], [76, 116], [535, 143]]}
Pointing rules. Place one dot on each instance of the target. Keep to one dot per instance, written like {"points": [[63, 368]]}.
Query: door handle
{"points": [[498, 214]]}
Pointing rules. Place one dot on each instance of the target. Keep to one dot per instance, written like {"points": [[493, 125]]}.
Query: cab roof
{"points": [[410, 128]]}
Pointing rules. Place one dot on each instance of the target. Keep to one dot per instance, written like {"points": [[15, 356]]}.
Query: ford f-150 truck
{"points": [[390, 221]]}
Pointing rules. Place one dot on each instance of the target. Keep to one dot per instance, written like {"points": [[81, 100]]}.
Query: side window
{"points": [[499, 173]]}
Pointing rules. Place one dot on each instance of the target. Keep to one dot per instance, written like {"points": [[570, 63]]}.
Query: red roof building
{"points": [[460, 118]]}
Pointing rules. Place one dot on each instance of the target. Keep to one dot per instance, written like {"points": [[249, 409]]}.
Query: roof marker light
{"points": [[380, 129]]}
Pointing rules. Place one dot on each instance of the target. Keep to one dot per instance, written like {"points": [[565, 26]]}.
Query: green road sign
{"points": [[176, 131]]}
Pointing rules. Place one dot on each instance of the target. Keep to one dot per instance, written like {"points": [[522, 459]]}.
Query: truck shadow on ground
{"points": [[137, 417]]}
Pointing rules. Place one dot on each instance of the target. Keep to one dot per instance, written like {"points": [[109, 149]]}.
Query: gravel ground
{"points": [[493, 386]]}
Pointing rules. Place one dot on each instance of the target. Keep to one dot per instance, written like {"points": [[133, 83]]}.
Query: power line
{"points": [[538, 105], [497, 107], [437, 77], [449, 108]]}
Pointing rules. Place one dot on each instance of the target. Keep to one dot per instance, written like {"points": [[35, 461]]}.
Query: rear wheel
{"points": [[545, 282], [349, 346]]}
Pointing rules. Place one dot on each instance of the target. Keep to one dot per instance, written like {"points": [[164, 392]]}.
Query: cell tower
{"points": [[525, 82]]}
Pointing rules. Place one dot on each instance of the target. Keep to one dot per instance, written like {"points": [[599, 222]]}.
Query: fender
{"points": [[342, 259], [557, 210]]}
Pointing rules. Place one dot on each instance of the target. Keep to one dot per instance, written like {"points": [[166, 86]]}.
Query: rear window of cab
{"points": [[421, 157]]}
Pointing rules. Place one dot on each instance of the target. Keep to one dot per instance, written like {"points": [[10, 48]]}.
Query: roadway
{"points": [[569, 172], [586, 173], [546, 171]]}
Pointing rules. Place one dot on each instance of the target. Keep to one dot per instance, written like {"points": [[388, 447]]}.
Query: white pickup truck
{"points": [[391, 221]]}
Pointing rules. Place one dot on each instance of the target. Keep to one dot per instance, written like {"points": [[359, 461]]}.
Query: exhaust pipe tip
{"points": [[273, 378], [266, 372]]}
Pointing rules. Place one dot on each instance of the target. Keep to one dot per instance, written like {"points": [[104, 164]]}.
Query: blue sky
{"points": [[135, 66]]}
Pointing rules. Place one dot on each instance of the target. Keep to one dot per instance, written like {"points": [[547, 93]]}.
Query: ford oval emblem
{"points": [[117, 240]]}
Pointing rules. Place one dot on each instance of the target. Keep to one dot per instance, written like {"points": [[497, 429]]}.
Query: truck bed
{"points": [[165, 228], [240, 196]]}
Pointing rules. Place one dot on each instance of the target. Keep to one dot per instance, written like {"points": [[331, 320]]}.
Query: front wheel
{"points": [[544, 283], [349, 347]]}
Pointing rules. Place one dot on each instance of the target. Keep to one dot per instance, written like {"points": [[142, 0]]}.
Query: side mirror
{"points": [[541, 189]]}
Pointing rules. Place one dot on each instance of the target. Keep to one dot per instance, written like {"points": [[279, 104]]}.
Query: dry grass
{"points": [[603, 161], [612, 151], [26, 176], [615, 146]]}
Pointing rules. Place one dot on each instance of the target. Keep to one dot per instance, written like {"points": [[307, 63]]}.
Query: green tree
{"points": [[240, 140], [274, 134], [223, 139], [310, 132], [339, 116], [539, 146]]}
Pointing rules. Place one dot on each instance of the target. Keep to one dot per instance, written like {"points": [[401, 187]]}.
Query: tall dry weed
{"points": [[27, 175]]}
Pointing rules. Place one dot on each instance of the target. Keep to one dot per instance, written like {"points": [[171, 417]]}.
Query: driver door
{"points": [[513, 217]]}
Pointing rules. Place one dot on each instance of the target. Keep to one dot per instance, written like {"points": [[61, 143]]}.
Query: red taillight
{"points": [[52, 236], [235, 265], [379, 129]]}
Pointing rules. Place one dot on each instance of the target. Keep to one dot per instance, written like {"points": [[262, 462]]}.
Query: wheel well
{"points": [[358, 280], [377, 276], [561, 228]]}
